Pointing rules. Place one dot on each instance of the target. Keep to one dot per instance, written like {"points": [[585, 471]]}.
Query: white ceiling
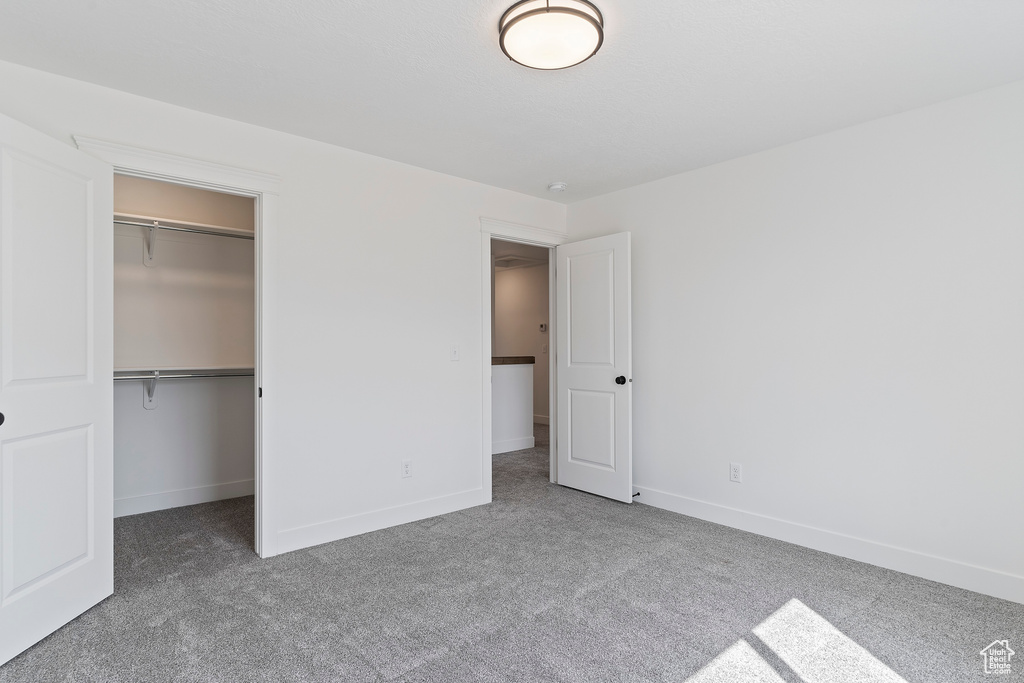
{"points": [[679, 84]]}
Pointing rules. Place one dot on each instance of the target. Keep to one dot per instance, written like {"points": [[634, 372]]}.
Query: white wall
{"points": [[196, 446], [520, 306], [192, 309], [374, 273], [845, 317]]}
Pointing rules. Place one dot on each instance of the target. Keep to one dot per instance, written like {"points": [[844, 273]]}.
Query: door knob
{"points": [[1, 418], [621, 379]]}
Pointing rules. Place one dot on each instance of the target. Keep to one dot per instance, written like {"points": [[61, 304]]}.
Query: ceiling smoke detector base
{"points": [[557, 187]]}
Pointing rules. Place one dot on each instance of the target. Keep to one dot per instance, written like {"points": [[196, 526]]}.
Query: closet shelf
{"points": [[150, 378], [166, 373], [153, 224], [181, 226]]}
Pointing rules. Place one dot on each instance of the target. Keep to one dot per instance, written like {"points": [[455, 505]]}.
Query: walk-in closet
{"points": [[184, 302]]}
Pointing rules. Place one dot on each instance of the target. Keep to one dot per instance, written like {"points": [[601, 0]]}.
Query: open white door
{"points": [[56, 387], [595, 366]]}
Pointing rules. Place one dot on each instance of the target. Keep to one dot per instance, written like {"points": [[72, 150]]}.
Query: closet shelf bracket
{"points": [[149, 391], [149, 245]]}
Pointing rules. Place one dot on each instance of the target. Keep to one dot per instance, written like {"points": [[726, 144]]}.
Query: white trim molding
{"points": [[943, 570], [264, 189], [522, 233], [509, 445], [134, 505], [337, 529], [171, 167], [491, 228]]}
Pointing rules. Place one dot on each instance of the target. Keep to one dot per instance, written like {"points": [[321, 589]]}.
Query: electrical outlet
{"points": [[736, 472], [406, 469], [454, 352]]}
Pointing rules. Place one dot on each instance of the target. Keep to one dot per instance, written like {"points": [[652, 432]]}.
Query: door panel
{"points": [[47, 229], [591, 278], [592, 427], [56, 388], [594, 348], [48, 496]]}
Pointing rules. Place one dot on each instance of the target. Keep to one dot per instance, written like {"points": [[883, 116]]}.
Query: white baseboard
{"points": [[541, 419], [337, 529], [952, 572], [150, 502], [511, 445]]}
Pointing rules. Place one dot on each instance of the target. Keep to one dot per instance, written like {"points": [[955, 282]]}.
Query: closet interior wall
{"points": [[192, 308]]}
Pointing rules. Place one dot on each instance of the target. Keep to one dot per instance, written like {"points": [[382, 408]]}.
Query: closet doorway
{"points": [[184, 345]]}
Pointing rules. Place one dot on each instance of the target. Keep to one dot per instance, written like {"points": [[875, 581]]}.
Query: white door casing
{"points": [[56, 386], [492, 228], [594, 366], [264, 188]]}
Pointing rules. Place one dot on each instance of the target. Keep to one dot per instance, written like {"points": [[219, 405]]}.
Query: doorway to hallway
{"points": [[519, 344]]}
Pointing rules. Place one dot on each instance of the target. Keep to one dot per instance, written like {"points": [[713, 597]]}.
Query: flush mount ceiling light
{"points": [[551, 34]]}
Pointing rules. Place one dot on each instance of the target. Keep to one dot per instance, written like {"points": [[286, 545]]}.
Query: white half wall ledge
{"points": [[346, 527], [522, 233], [959, 574], [150, 502]]}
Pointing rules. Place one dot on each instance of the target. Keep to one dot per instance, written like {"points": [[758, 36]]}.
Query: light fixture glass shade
{"points": [[551, 34]]}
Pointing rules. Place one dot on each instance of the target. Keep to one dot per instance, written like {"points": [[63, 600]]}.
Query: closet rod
{"points": [[182, 375], [177, 228]]}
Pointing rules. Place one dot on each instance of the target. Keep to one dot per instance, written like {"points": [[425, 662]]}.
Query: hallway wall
{"points": [[520, 306]]}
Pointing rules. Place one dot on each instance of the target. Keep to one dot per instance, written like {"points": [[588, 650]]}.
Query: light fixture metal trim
{"points": [[589, 13]]}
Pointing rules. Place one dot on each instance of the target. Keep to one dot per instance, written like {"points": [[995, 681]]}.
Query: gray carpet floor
{"points": [[544, 584]]}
